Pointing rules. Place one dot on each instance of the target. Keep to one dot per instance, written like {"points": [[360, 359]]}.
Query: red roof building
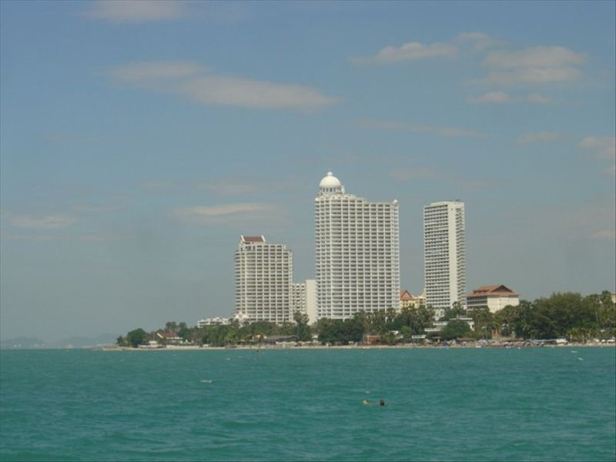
{"points": [[494, 297]]}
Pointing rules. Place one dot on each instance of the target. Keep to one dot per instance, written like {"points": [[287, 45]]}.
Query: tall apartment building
{"points": [[444, 254], [304, 299], [263, 281], [357, 252]]}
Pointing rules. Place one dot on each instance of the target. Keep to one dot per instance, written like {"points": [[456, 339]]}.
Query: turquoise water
{"points": [[441, 404]]}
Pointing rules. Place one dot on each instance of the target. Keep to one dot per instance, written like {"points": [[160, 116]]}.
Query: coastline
{"points": [[467, 345]]}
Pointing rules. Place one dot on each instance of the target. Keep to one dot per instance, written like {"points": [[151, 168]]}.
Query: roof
{"points": [[253, 239], [405, 296], [330, 181], [495, 290]]}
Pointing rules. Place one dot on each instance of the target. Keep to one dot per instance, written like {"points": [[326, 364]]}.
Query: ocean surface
{"points": [[550, 404]]}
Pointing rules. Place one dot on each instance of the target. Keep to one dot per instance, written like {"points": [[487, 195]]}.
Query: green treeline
{"points": [[568, 315]]}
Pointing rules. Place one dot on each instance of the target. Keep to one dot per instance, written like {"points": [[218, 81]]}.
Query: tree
{"points": [[484, 322], [184, 331], [506, 319], [455, 329], [340, 331], [136, 337], [455, 311], [302, 328]]}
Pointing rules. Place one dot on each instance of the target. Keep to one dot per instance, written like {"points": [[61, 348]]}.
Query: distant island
{"points": [[32, 343], [566, 317]]}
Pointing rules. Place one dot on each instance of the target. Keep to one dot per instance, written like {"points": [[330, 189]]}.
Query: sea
{"points": [[543, 404]]}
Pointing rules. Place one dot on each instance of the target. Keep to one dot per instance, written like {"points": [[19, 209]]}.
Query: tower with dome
{"points": [[357, 251]]}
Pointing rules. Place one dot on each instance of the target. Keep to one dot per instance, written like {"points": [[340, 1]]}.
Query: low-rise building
{"points": [[440, 325], [494, 297], [408, 300], [217, 321]]}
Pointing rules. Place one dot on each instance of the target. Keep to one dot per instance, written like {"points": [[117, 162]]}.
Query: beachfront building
{"points": [[408, 300], [304, 299], [444, 255], [357, 252], [494, 297], [215, 321], [263, 281]]}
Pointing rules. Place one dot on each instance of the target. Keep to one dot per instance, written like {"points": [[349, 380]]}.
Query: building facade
{"points": [[357, 252], [263, 281], [444, 255], [304, 299], [494, 297]]}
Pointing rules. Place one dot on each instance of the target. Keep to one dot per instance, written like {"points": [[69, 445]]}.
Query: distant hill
{"points": [[85, 342], [27, 343], [22, 343]]}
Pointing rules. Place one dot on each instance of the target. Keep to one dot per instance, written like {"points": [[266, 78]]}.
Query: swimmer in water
{"points": [[365, 402], [382, 402]]}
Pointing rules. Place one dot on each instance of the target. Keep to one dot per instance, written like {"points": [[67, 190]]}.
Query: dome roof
{"points": [[330, 181]]}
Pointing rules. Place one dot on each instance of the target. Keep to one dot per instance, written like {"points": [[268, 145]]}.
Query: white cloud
{"points": [[448, 132], [136, 11], [242, 92], [492, 97], [536, 98], [408, 52], [155, 70], [414, 173], [41, 222], [413, 51], [534, 57], [227, 213], [603, 147], [478, 40], [29, 237], [609, 234], [500, 97], [538, 137], [194, 82], [534, 65], [537, 75], [247, 186], [233, 188]]}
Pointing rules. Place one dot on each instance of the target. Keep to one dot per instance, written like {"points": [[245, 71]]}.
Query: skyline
{"points": [[139, 140]]}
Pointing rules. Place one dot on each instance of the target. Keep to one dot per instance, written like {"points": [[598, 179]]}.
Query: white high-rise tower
{"points": [[263, 281], [357, 252], [444, 254]]}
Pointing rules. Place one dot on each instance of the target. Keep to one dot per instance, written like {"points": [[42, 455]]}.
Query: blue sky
{"points": [[140, 139]]}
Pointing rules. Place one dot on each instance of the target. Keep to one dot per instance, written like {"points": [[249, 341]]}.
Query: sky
{"points": [[140, 139]]}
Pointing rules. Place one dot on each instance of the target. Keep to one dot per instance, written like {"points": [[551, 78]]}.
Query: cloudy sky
{"points": [[140, 139]]}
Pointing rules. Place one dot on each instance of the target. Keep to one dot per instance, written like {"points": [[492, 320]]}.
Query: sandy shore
{"points": [[467, 345]]}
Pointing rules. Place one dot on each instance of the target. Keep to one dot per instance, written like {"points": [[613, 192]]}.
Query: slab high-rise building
{"points": [[263, 281], [357, 252], [444, 254], [304, 299]]}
